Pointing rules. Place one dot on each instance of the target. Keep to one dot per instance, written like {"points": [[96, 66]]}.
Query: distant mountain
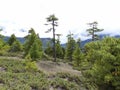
{"points": [[89, 40], [101, 37], [82, 43], [22, 40], [117, 36], [46, 40]]}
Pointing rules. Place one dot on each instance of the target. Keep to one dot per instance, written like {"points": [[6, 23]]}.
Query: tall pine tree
{"points": [[70, 47], [53, 21], [93, 30]]}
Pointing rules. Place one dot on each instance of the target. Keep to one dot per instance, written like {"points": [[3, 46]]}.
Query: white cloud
{"points": [[73, 16]]}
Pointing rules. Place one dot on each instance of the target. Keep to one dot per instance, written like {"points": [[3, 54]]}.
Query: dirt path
{"points": [[50, 67], [12, 58]]}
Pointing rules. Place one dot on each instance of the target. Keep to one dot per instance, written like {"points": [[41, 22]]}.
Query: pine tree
{"points": [[70, 47], [3, 46], [59, 50], [12, 39], [16, 46], [34, 51], [93, 30], [53, 21], [33, 45], [49, 49], [1, 36], [77, 55], [29, 41], [104, 63]]}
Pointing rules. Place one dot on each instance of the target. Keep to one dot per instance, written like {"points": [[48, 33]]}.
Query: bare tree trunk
{"points": [[54, 48]]}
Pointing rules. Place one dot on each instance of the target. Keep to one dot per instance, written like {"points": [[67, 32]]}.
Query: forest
{"points": [[29, 66]]}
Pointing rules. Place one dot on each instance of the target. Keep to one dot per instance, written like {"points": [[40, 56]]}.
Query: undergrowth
{"points": [[25, 75]]}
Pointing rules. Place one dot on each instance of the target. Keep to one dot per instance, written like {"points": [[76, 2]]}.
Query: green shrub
{"points": [[65, 85], [31, 66]]}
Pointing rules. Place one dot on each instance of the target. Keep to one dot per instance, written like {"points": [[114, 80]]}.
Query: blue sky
{"points": [[19, 15]]}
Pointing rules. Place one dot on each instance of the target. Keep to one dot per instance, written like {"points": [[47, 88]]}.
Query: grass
{"points": [[16, 77], [17, 74]]}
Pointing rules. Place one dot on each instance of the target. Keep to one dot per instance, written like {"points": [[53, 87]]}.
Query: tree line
{"points": [[33, 45], [98, 60]]}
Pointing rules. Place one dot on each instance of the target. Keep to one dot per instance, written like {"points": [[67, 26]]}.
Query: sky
{"points": [[18, 16]]}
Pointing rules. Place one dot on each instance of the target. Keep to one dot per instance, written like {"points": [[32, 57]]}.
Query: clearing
{"points": [[50, 67]]}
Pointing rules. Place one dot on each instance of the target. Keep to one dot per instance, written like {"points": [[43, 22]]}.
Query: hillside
{"points": [[97, 68], [15, 74]]}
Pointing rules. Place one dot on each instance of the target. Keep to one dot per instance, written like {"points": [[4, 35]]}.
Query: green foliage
{"points": [[30, 66], [1, 43], [12, 39], [1, 36], [93, 30], [24, 75], [35, 52], [33, 45], [52, 18], [70, 47], [24, 81], [21, 75], [66, 85], [53, 21], [104, 64], [14, 66], [59, 50], [4, 48], [70, 77], [49, 49], [16, 46], [77, 54]]}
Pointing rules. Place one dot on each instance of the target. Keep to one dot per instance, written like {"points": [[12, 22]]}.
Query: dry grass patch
{"points": [[50, 67], [11, 58]]}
